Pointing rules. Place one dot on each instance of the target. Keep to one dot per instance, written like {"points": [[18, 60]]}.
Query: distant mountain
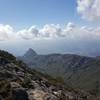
{"points": [[30, 53], [78, 71]]}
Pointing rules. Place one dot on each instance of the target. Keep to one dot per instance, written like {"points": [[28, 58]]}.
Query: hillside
{"points": [[19, 82], [77, 71]]}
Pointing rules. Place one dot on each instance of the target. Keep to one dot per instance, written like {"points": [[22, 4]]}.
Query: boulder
{"points": [[19, 94], [50, 97], [36, 94]]}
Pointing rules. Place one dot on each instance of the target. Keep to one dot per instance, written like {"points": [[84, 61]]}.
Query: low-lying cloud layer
{"points": [[49, 31], [89, 9]]}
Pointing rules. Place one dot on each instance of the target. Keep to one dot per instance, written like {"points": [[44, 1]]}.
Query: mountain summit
{"points": [[30, 53]]}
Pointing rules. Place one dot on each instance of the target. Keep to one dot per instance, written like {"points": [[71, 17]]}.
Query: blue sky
{"points": [[67, 26], [24, 13]]}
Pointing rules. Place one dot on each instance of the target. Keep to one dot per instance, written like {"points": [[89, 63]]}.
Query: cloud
{"points": [[30, 33], [49, 31], [69, 27], [76, 32], [89, 9], [6, 32]]}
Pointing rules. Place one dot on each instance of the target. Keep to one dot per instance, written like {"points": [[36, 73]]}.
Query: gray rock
{"points": [[19, 94], [50, 97]]}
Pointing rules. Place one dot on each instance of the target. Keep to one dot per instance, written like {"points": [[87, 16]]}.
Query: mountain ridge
{"points": [[19, 82], [74, 69]]}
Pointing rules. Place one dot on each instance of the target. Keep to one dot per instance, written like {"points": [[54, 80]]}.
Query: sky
{"points": [[50, 26]]}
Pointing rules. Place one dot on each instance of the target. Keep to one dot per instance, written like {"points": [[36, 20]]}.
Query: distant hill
{"points": [[78, 71]]}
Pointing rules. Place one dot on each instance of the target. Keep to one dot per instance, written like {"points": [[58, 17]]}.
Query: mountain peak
{"points": [[30, 52]]}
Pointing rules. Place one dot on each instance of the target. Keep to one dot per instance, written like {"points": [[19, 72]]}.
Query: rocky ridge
{"points": [[74, 70], [19, 82]]}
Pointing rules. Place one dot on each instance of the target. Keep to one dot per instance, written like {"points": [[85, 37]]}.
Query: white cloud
{"points": [[6, 32], [49, 31], [73, 31], [89, 9], [70, 27], [30, 33]]}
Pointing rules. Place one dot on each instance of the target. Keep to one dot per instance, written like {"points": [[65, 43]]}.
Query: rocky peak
{"points": [[30, 53]]}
